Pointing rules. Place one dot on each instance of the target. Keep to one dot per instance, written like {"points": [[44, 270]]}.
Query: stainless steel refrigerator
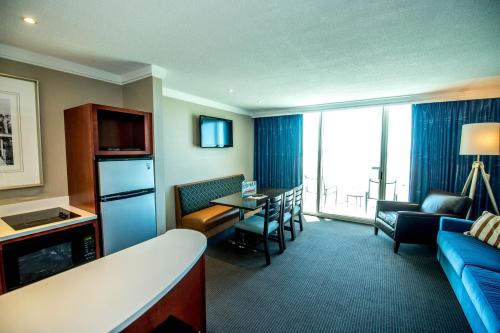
{"points": [[127, 200]]}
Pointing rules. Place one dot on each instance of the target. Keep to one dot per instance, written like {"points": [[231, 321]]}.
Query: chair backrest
{"points": [[196, 196], [273, 209], [298, 196], [288, 202]]}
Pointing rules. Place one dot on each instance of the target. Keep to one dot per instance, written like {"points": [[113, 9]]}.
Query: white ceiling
{"points": [[281, 53]]}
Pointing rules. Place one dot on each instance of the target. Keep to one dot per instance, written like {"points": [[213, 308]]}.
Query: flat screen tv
{"points": [[215, 132]]}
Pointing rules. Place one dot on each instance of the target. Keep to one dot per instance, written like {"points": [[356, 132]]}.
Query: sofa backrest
{"points": [[439, 202], [196, 196]]}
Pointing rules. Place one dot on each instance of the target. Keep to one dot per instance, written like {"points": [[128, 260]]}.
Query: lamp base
{"points": [[477, 167]]}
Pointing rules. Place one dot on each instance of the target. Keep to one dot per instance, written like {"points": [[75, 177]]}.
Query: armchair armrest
{"points": [[386, 205], [414, 225], [454, 224]]}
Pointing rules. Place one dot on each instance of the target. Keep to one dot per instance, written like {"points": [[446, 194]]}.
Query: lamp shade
{"points": [[480, 139]]}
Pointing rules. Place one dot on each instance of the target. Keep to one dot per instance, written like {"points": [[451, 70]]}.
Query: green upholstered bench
{"points": [[194, 211]]}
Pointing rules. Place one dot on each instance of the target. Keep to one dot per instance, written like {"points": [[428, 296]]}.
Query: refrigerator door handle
{"points": [[126, 195]]}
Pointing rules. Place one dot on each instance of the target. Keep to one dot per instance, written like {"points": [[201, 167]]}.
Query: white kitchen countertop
{"points": [[105, 295], [6, 232]]}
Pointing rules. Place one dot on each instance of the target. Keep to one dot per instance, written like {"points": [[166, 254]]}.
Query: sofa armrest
{"points": [[393, 206], [454, 224]]}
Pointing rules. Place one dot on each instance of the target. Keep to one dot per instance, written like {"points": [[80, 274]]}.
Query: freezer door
{"points": [[127, 222], [116, 176]]}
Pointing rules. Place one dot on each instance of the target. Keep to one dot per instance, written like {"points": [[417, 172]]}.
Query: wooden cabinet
{"points": [[121, 131], [185, 304], [94, 130]]}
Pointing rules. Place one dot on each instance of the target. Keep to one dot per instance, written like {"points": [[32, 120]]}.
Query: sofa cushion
{"points": [[487, 229], [205, 219], [389, 217], [483, 289], [445, 203], [197, 196], [461, 250], [255, 224]]}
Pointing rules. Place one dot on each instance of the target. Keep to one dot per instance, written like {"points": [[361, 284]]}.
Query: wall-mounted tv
{"points": [[215, 132]]}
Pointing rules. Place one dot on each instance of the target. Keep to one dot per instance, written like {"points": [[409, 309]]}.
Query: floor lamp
{"points": [[480, 139]]}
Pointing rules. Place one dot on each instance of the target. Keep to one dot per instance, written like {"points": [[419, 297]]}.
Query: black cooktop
{"points": [[41, 217]]}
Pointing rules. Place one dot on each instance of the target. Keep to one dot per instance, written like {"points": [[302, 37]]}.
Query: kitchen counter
{"points": [[7, 233], [108, 294]]}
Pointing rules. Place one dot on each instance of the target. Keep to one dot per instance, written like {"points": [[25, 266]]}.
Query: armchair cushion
{"points": [[445, 203], [388, 217], [461, 250]]}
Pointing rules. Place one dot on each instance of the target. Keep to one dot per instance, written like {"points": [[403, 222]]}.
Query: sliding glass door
{"points": [[353, 157], [350, 160]]}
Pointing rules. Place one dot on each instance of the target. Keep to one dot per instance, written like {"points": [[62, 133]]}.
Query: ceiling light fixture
{"points": [[29, 20], [230, 91]]}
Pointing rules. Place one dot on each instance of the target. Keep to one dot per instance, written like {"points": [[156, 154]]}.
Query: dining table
{"points": [[236, 200]]}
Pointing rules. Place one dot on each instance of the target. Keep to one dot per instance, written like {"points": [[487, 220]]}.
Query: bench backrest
{"points": [[195, 196]]}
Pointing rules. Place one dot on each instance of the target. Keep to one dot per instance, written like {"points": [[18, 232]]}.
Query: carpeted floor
{"points": [[335, 277]]}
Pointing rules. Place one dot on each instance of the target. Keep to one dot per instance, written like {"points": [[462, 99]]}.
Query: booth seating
{"points": [[194, 211]]}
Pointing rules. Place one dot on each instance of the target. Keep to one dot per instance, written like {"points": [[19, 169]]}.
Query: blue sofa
{"points": [[473, 269]]}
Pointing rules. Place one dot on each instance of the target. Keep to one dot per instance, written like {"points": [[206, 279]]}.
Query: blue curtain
{"points": [[435, 159], [278, 151]]}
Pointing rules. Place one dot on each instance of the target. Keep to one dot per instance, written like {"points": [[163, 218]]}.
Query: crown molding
{"points": [[202, 101], [54, 63], [430, 97], [135, 75], [42, 60], [58, 64]]}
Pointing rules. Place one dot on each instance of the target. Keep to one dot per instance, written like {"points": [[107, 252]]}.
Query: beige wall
{"points": [[185, 161], [178, 157], [58, 91], [146, 95], [139, 95]]}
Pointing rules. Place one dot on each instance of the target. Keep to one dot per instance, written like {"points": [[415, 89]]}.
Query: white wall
{"points": [[186, 162]]}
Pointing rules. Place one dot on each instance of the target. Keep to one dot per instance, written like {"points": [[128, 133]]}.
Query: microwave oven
{"points": [[33, 259]]}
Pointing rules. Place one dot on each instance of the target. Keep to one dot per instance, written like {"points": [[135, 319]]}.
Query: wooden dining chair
{"points": [[287, 214], [264, 226], [298, 214]]}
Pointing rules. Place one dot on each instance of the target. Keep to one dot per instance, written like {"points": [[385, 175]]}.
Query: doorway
{"points": [[353, 157]]}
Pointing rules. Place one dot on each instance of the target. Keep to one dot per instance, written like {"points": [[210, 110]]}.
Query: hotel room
{"points": [[249, 166]]}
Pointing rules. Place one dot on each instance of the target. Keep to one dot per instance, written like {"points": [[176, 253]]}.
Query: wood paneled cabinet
{"points": [[94, 130]]}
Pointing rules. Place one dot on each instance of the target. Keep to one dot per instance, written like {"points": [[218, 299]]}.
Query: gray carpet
{"points": [[335, 277]]}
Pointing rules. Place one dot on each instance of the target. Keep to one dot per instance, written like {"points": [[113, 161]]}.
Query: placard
{"points": [[248, 189]]}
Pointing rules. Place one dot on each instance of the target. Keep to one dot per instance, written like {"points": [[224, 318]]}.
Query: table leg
{"points": [[242, 214]]}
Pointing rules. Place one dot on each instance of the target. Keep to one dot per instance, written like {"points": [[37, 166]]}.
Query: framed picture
{"points": [[20, 146]]}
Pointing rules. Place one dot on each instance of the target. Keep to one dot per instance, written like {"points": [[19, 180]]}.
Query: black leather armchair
{"points": [[407, 222]]}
